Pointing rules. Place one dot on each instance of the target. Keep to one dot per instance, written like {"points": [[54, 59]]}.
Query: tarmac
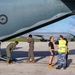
{"points": [[42, 55]]}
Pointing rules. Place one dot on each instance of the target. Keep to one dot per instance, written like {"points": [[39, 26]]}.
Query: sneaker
{"points": [[9, 62], [59, 67], [73, 66], [64, 67], [50, 66]]}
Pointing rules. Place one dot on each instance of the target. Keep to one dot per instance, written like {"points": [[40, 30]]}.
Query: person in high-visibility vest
{"points": [[0, 49], [61, 61]]}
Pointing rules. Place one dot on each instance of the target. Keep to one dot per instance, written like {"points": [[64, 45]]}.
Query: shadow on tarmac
{"points": [[69, 62], [72, 52], [18, 54], [42, 54]]}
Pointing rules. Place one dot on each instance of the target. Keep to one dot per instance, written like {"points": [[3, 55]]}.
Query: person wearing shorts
{"points": [[51, 48]]}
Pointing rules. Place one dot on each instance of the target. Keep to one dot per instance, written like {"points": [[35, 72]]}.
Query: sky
{"points": [[66, 25]]}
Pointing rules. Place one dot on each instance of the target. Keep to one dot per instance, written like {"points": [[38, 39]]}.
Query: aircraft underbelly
{"points": [[23, 15]]}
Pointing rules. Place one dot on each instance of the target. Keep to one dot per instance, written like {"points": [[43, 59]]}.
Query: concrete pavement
{"points": [[41, 56]]}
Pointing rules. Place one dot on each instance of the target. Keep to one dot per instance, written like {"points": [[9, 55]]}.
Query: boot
{"points": [[50, 66], [28, 61], [32, 61]]}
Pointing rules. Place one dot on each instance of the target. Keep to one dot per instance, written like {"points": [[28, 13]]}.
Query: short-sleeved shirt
{"points": [[51, 45]]}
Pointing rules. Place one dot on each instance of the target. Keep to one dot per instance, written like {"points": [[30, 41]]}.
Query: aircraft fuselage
{"points": [[22, 15]]}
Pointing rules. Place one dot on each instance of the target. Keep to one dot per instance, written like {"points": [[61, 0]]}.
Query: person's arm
{"points": [[66, 45], [13, 48], [50, 50], [29, 40], [56, 44]]}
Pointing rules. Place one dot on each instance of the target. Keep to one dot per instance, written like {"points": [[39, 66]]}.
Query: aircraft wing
{"points": [[39, 35]]}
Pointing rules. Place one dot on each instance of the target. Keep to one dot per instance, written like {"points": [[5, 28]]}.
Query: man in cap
{"points": [[31, 48], [9, 50]]}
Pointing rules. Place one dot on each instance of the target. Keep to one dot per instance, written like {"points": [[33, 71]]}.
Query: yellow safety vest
{"points": [[62, 46]]}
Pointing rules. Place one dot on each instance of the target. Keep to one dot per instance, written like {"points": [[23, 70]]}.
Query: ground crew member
{"points": [[0, 49], [66, 52], [9, 50], [31, 48], [61, 53], [52, 53]]}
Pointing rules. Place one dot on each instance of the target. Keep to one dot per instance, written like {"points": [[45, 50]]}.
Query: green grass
{"points": [[21, 40], [25, 40]]}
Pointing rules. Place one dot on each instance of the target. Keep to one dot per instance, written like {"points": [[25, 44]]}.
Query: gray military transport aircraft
{"points": [[44, 36], [19, 17]]}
